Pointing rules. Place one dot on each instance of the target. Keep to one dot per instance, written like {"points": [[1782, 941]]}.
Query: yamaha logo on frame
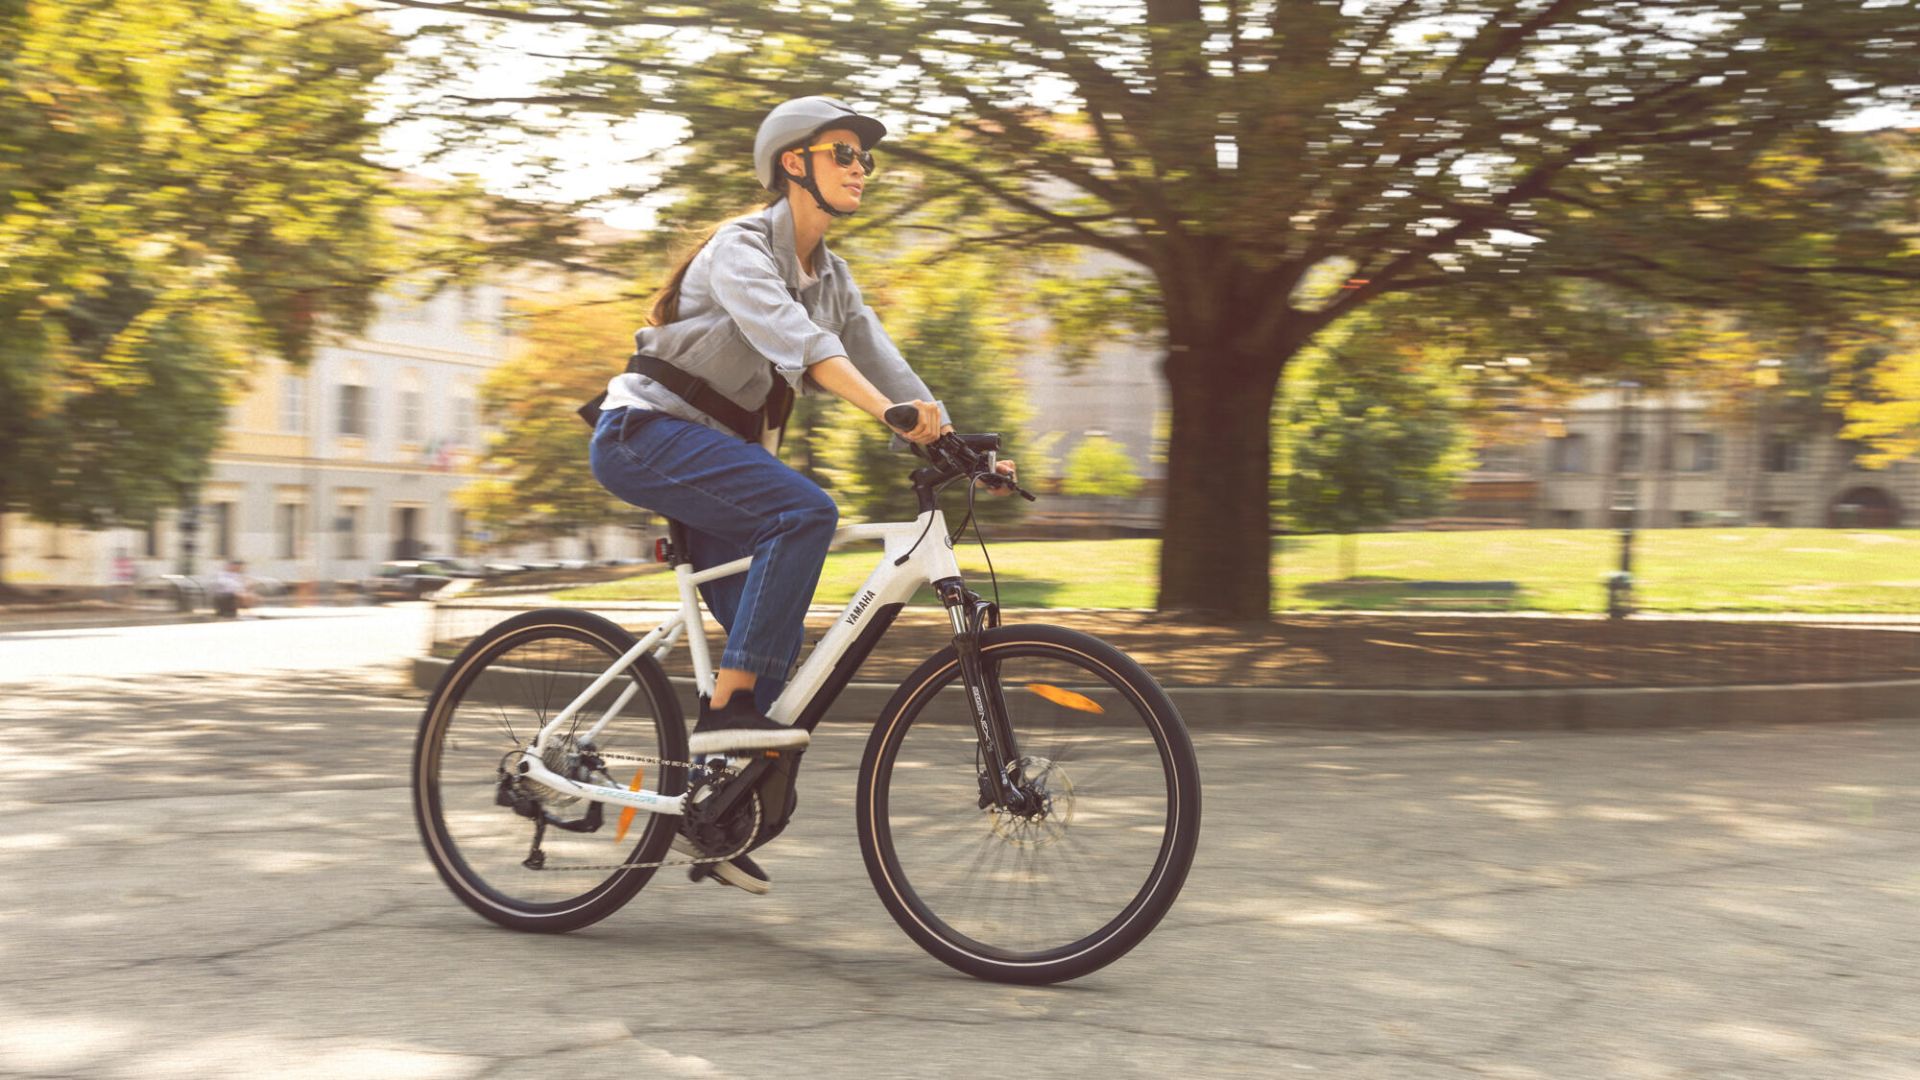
{"points": [[860, 605]]}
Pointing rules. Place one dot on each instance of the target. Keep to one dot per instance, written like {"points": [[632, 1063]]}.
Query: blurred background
{"points": [[1591, 309], [1496, 423]]}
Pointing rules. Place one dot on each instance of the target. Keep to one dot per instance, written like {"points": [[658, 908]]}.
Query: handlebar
{"points": [[953, 456]]}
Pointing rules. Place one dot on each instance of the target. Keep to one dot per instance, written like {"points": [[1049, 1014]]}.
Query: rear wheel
{"points": [[1096, 858], [479, 820]]}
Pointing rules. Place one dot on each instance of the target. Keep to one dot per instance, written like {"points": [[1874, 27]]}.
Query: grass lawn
{"points": [[1706, 570]]}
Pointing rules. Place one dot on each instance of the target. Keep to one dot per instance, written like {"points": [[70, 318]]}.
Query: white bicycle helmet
{"points": [[795, 123]]}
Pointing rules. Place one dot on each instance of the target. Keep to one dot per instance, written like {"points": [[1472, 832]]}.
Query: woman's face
{"points": [[840, 185]]}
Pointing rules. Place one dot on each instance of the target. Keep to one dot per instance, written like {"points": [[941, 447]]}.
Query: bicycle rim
{"points": [[1052, 895], [495, 701]]}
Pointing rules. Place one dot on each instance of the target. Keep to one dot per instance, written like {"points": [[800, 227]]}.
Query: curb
{"points": [[1569, 709], [100, 622], [164, 618]]}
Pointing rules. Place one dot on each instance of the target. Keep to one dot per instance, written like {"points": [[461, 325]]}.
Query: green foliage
{"points": [[1274, 168], [1885, 416], [946, 319], [1364, 443], [182, 186], [1098, 465], [536, 481]]}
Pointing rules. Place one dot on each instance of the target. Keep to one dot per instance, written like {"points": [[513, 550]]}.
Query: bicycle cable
{"points": [[973, 485]]}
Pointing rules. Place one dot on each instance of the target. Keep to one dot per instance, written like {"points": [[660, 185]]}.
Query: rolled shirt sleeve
{"points": [[874, 354], [748, 285]]}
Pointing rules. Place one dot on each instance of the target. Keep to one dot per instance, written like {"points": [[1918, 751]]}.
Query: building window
{"points": [[1569, 454], [1785, 455], [463, 418], [293, 403], [220, 529], [1630, 444], [1699, 452], [412, 401], [289, 525], [353, 410], [347, 526], [151, 546]]}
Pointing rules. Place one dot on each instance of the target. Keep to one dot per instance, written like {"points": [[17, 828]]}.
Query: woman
{"points": [[759, 308]]}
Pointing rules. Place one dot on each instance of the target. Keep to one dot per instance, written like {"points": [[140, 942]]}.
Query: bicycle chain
{"points": [[658, 863]]}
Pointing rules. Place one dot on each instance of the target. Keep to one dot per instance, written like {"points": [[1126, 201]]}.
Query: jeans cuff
{"points": [[757, 665]]}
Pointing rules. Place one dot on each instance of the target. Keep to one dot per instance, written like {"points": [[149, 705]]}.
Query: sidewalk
{"points": [[1429, 670], [12, 623]]}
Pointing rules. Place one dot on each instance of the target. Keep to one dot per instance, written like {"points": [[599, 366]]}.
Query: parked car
{"points": [[456, 566], [406, 579]]}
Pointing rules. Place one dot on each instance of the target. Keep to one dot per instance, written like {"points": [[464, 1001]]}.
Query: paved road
{"points": [[1719, 902]]}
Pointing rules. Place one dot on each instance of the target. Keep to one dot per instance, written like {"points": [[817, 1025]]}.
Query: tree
{"points": [[182, 186], [947, 320], [1273, 166], [1099, 466], [1368, 443], [536, 480]]}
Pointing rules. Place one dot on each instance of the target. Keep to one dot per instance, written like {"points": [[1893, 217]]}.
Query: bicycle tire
{"points": [[525, 669], [922, 890]]}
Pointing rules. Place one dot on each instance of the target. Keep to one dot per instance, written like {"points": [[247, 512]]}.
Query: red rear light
{"points": [[661, 552]]}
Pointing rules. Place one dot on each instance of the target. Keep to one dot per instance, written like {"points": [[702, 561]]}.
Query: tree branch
{"points": [[577, 18], [1118, 245]]}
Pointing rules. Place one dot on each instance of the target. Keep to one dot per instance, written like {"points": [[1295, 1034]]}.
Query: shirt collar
{"points": [[780, 218]]}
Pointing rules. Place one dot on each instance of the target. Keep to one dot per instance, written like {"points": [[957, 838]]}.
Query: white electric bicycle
{"points": [[1029, 801]]}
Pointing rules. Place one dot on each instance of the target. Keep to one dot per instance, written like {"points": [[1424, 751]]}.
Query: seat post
{"points": [[682, 551]]}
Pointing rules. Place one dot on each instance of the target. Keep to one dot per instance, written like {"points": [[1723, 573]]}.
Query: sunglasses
{"points": [[845, 155]]}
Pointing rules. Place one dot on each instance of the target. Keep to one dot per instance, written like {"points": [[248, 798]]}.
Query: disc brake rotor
{"points": [[1054, 793]]}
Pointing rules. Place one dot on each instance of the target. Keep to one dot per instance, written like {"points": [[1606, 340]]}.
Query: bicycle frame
{"points": [[916, 554]]}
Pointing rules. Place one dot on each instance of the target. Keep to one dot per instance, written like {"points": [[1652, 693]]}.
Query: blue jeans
{"points": [[735, 500]]}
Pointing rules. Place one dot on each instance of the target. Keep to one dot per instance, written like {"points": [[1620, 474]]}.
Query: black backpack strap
{"points": [[695, 392], [590, 412]]}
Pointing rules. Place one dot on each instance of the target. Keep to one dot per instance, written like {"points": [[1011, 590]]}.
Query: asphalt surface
{"points": [[208, 867]]}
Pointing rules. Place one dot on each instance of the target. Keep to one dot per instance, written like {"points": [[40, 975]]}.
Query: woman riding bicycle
{"points": [[747, 319]]}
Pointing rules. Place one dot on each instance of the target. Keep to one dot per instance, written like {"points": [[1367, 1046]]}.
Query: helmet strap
{"points": [[812, 187]]}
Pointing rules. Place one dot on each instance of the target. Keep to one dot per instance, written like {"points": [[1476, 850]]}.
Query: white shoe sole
{"points": [[717, 742], [725, 872]]}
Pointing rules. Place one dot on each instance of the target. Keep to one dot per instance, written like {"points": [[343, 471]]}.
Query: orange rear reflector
{"points": [[1066, 698], [626, 816]]}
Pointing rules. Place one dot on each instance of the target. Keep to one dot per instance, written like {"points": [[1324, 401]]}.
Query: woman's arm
{"points": [[838, 376]]}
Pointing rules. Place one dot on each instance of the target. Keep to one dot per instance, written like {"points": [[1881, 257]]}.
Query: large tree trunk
{"points": [[1216, 548]]}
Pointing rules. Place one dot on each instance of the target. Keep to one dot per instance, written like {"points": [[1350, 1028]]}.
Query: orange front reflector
{"points": [[1066, 698], [626, 816]]}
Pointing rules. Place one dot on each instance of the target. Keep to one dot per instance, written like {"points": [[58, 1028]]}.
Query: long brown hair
{"points": [[666, 306]]}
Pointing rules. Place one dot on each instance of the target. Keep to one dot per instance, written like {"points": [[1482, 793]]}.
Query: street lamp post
{"points": [[1766, 375], [1625, 504]]}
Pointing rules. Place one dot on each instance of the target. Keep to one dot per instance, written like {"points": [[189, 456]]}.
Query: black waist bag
{"points": [[746, 423]]}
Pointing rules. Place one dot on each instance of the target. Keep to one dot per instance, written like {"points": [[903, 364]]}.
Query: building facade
{"points": [[1678, 460], [327, 472]]}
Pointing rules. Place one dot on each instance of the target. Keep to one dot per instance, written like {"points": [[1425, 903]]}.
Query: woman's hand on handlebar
{"points": [[926, 425], [1005, 467]]}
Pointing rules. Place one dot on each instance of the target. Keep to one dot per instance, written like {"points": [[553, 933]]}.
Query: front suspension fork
{"points": [[970, 615]]}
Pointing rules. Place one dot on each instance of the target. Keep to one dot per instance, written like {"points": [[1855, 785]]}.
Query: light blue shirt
{"points": [[748, 313]]}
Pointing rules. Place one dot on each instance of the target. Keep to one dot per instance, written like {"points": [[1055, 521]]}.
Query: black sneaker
{"points": [[737, 726], [739, 871]]}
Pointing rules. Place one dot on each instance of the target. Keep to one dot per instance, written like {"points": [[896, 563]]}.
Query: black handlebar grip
{"points": [[902, 417]]}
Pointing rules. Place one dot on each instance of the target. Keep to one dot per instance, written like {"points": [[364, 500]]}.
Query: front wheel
{"points": [[1099, 852]]}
